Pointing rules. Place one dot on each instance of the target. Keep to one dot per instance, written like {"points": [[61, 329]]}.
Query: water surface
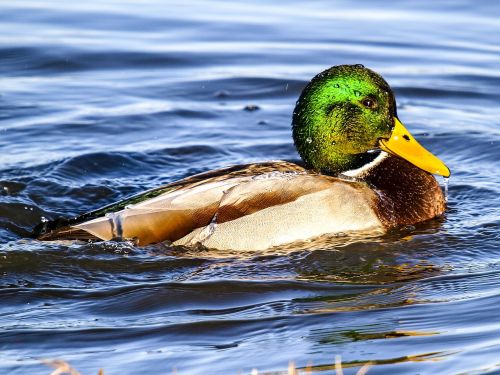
{"points": [[103, 99]]}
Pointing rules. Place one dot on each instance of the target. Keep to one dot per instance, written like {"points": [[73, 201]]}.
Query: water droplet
{"points": [[308, 140], [334, 143], [359, 66], [336, 85], [43, 219], [357, 93], [446, 182]]}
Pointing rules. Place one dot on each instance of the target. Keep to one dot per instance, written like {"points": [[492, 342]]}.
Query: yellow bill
{"points": [[405, 146]]}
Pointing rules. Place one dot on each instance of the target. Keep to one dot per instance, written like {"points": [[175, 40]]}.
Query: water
{"points": [[103, 99]]}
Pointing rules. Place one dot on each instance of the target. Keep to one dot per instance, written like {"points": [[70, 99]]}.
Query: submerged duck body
{"points": [[354, 178]]}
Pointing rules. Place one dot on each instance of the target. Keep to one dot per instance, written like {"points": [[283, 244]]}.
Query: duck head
{"points": [[347, 113]]}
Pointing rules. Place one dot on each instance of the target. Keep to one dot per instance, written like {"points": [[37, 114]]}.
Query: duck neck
{"points": [[364, 163]]}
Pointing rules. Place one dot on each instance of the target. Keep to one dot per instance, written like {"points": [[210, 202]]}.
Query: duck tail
{"points": [[60, 229]]}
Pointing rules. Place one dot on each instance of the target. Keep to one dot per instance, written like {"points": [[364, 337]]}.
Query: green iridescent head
{"points": [[340, 117]]}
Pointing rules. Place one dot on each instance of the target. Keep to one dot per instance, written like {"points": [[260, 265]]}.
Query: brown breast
{"points": [[406, 194]]}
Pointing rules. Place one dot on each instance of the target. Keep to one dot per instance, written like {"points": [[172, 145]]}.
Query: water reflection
{"points": [[432, 357]]}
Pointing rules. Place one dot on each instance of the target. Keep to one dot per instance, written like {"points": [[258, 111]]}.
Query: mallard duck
{"points": [[362, 170]]}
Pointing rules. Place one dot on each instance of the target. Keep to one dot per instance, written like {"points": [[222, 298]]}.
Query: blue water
{"points": [[103, 99]]}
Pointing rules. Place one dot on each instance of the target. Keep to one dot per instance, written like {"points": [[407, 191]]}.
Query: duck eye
{"points": [[369, 103]]}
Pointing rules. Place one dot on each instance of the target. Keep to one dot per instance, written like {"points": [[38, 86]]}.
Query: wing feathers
{"points": [[175, 210]]}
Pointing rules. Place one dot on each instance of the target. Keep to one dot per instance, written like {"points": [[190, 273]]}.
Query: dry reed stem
{"points": [[60, 366], [363, 370], [338, 365], [309, 369], [63, 367]]}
